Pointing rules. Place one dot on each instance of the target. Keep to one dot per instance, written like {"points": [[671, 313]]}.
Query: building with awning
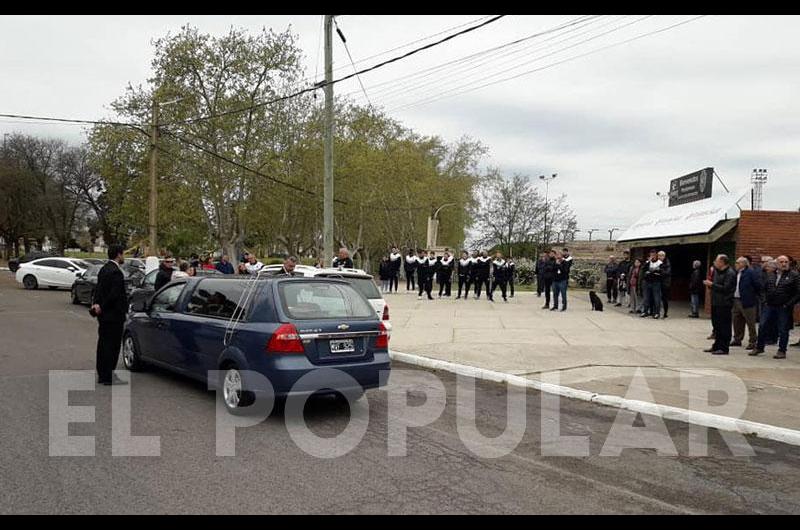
{"points": [[701, 230]]}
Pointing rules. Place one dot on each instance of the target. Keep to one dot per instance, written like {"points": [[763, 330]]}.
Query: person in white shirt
{"points": [[253, 266]]}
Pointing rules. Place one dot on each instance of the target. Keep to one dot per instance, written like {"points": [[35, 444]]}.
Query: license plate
{"points": [[340, 347]]}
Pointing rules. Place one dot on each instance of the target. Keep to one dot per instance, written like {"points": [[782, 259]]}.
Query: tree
{"points": [[51, 168], [512, 211]]}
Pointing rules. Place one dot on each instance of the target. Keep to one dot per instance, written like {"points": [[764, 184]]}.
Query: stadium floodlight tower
{"points": [[759, 180]]}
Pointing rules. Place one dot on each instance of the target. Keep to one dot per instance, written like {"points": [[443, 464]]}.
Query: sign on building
{"points": [[696, 187]]}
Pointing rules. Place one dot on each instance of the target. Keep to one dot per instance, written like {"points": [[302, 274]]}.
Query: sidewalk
{"points": [[594, 352]]}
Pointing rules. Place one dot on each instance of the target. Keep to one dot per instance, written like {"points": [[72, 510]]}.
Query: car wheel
{"points": [[75, 299], [130, 355], [236, 399], [30, 283]]}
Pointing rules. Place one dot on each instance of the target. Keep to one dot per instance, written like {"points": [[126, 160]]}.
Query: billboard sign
{"points": [[695, 187]]}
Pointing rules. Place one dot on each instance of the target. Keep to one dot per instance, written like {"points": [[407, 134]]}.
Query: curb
{"points": [[702, 419]]}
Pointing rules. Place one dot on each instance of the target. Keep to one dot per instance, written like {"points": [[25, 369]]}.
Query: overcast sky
{"points": [[616, 125]]}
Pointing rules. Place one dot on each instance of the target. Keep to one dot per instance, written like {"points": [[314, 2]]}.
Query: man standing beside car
{"points": [[110, 308], [165, 272]]}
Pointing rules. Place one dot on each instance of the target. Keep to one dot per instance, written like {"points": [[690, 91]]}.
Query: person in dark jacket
{"points": [[444, 275], [425, 274], [165, 271], [652, 286], [745, 304], [410, 270], [500, 274], [483, 275], [343, 260], [396, 261], [110, 308], [782, 293], [612, 281], [666, 282], [385, 273], [561, 269], [548, 273], [539, 272], [225, 266], [464, 275], [696, 288], [723, 290]]}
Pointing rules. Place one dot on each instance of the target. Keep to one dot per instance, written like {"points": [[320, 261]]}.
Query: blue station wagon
{"points": [[280, 328]]}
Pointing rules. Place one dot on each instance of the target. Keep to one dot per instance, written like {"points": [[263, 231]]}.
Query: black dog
{"points": [[597, 304]]}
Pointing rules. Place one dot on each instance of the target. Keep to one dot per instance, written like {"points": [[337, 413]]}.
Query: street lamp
{"points": [[547, 181], [433, 226], [664, 197]]}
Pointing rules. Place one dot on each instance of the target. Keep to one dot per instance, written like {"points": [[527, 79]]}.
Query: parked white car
{"points": [[360, 280], [53, 273]]}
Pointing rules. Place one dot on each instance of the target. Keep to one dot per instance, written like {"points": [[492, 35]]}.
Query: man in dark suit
{"points": [[723, 289], [110, 307]]}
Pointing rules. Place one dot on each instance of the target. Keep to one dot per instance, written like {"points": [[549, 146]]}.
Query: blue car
{"points": [[281, 328]]}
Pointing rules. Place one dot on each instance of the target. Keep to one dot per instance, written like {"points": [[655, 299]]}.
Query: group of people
{"points": [[745, 296], [761, 298], [475, 274], [645, 287], [552, 278]]}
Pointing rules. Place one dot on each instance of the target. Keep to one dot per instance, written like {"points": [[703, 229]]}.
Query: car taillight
{"points": [[386, 312], [286, 340], [382, 342]]}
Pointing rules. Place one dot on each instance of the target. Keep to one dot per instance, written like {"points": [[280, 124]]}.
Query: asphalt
{"points": [[41, 331]]}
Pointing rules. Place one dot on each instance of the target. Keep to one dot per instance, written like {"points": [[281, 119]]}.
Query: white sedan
{"points": [[53, 273], [360, 280]]}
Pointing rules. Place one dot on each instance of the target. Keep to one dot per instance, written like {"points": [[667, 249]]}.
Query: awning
{"points": [[723, 229], [685, 221]]}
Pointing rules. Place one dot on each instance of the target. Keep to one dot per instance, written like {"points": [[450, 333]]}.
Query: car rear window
{"points": [[323, 301]]}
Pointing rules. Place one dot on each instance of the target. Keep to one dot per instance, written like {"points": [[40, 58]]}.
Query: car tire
{"points": [[75, 299], [30, 282], [237, 400], [131, 357]]}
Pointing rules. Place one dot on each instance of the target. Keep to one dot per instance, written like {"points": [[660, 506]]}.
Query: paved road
{"points": [[41, 331]]}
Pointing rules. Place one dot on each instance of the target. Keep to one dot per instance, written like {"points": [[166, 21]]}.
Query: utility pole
{"points": [[328, 216], [591, 233], [153, 245], [611, 234]]}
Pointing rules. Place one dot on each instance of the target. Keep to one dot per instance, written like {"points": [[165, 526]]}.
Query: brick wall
{"points": [[769, 234]]}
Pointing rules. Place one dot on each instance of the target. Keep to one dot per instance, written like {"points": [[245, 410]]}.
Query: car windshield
{"points": [[323, 301], [82, 264]]}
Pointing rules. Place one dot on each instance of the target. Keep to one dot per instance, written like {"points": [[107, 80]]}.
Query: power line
{"points": [[552, 65], [355, 69], [345, 78], [449, 76], [423, 39], [540, 57], [67, 120], [468, 58]]}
